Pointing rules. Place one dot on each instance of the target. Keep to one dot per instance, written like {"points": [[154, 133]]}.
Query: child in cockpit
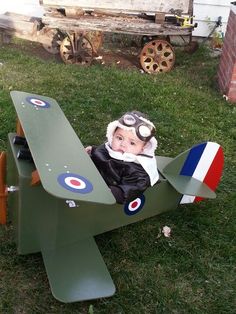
{"points": [[127, 161]]}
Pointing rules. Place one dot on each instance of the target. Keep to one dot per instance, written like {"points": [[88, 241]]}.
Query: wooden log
{"points": [[134, 26], [72, 12], [123, 6]]}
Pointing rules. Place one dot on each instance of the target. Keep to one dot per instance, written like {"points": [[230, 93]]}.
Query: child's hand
{"points": [[88, 149]]}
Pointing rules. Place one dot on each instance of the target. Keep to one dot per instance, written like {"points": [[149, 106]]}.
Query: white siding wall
{"points": [[27, 7], [210, 9], [203, 10]]}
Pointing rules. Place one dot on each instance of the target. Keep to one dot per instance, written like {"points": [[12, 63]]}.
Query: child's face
{"points": [[125, 141]]}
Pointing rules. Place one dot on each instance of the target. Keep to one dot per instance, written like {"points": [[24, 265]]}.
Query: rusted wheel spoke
{"points": [[54, 38], [157, 56], [76, 49]]}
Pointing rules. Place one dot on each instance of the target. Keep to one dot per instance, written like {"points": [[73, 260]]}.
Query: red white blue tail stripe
{"points": [[204, 163]]}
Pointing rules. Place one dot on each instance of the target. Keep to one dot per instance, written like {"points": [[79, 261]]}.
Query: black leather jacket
{"points": [[127, 180]]}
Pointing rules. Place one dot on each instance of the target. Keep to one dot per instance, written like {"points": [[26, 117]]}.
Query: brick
{"points": [[223, 56], [232, 95], [231, 16], [232, 100], [226, 75], [221, 71], [226, 62], [233, 52], [229, 60], [220, 78], [230, 26], [221, 74], [225, 59], [223, 83], [221, 67], [227, 81], [231, 91], [222, 86], [232, 84], [230, 33], [226, 43], [234, 76], [225, 47]]}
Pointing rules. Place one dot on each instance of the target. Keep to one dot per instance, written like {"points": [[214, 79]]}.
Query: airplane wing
{"points": [[65, 169], [77, 272]]}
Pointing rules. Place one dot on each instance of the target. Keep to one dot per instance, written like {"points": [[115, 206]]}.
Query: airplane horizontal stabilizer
{"points": [[190, 186], [203, 163]]}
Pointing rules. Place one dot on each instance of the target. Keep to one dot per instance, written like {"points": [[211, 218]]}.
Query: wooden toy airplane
{"points": [[60, 201]]}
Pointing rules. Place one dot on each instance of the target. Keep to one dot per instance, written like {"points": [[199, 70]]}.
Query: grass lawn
{"points": [[193, 271]]}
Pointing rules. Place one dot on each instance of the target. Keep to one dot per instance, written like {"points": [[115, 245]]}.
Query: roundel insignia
{"points": [[75, 183], [134, 206], [39, 103]]}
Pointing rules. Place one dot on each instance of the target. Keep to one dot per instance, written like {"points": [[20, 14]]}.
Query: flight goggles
{"points": [[144, 128]]}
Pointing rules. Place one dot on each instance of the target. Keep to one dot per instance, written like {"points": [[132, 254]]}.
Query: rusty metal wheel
{"points": [[96, 39], [157, 56], [76, 49], [54, 39]]}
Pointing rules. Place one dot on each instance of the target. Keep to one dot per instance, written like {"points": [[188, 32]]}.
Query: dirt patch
{"points": [[122, 57]]}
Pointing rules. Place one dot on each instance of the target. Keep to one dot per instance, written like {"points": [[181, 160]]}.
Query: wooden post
{"points": [[160, 18], [19, 129]]}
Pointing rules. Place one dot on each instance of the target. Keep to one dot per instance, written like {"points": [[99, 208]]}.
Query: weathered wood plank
{"points": [[123, 6], [18, 23], [134, 26], [24, 27], [21, 17]]}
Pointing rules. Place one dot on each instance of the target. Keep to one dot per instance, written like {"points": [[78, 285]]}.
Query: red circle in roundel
{"points": [[134, 204], [75, 182], [39, 102], [133, 207]]}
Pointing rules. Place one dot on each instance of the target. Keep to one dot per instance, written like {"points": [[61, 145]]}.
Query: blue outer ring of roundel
{"points": [[88, 185], [135, 210], [29, 99]]}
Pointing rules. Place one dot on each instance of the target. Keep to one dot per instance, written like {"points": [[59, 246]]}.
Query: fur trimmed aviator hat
{"points": [[137, 122]]}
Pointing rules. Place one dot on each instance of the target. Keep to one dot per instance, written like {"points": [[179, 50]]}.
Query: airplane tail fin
{"points": [[196, 172]]}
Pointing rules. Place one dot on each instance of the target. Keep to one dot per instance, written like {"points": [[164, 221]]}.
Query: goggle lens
{"points": [[142, 128], [144, 131], [129, 120]]}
